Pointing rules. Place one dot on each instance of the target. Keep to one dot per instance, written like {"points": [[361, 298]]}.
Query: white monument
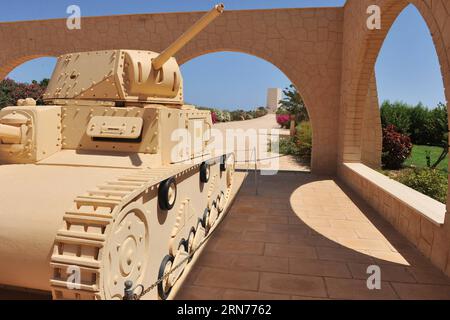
{"points": [[274, 95]]}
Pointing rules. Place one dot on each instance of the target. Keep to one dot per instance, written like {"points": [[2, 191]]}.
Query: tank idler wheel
{"points": [[230, 170], [167, 194], [223, 163], [204, 172], [165, 287]]}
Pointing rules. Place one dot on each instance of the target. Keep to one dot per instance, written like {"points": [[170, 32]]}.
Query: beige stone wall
{"points": [[371, 135], [359, 140], [431, 239], [305, 44]]}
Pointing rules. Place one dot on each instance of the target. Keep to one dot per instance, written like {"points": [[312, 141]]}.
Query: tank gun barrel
{"points": [[188, 36]]}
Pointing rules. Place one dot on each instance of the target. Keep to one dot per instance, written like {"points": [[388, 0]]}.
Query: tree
{"points": [[293, 103], [396, 114], [11, 91]]}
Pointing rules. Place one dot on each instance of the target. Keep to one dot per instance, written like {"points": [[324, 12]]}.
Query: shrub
{"points": [[430, 182], [419, 118], [11, 91], [289, 146], [237, 115], [304, 134], [396, 148], [396, 114], [261, 112], [437, 126], [283, 120], [300, 145], [213, 117]]}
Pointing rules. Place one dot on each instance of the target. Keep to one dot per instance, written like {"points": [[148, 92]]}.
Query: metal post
{"points": [[256, 171], [129, 291]]}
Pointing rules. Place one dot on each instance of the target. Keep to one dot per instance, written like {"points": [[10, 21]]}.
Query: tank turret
{"points": [[124, 75]]}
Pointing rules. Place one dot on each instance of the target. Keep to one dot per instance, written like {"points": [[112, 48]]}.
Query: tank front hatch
{"points": [[115, 75]]}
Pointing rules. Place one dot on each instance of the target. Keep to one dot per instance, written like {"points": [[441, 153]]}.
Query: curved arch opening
{"points": [[28, 79], [413, 107], [248, 92]]}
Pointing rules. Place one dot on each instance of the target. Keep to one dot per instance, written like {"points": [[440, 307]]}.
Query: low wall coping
{"points": [[431, 209]]}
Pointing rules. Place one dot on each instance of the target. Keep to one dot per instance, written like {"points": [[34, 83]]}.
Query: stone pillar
{"points": [[274, 95]]}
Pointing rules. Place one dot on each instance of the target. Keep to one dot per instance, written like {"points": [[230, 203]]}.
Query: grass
{"points": [[418, 157]]}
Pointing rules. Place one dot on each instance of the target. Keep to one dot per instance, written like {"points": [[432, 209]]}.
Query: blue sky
{"points": [[407, 68]]}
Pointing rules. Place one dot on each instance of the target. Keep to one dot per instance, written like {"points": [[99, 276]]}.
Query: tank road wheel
{"points": [[205, 222], [223, 163], [200, 234], [164, 287], [213, 215], [190, 241], [230, 170], [180, 259], [221, 202], [127, 251], [204, 172], [167, 194]]}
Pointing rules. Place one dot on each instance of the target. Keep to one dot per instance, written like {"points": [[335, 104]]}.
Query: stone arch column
{"points": [[361, 49]]}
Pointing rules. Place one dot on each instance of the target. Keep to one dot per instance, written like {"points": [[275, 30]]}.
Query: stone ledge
{"points": [[429, 208]]}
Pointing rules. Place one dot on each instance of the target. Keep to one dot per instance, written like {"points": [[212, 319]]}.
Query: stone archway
{"points": [[359, 95], [306, 44]]}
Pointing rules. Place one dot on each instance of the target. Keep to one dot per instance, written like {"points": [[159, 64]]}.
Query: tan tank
{"points": [[95, 189]]}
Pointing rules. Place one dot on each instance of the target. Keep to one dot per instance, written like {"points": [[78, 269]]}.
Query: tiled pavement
{"points": [[307, 237]]}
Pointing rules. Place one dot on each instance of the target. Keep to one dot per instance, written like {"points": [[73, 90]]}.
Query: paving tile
{"points": [[199, 293], [239, 247], [342, 254], [292, 284], [357, 290], [233, 294], [282, 250], [273, 237], [308, 240], [421, 291], [291, 229], [216, 259], [234, 225], [262, 263], [429, 276], [318, 268], [221, 278], [312, 240], [396, 273], [363, 244]]}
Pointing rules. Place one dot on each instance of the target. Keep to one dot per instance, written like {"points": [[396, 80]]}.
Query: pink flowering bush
{"points": [[214, 117], [283, 120]]}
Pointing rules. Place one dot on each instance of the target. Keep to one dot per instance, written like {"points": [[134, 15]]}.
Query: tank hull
{"points": [[33, 199], [104, 223]]}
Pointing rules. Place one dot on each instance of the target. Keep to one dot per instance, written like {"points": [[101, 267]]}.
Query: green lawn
{"points": [[419, 154]]}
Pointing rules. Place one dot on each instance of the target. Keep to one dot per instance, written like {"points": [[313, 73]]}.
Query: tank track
{"points": [[80, 243]]}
